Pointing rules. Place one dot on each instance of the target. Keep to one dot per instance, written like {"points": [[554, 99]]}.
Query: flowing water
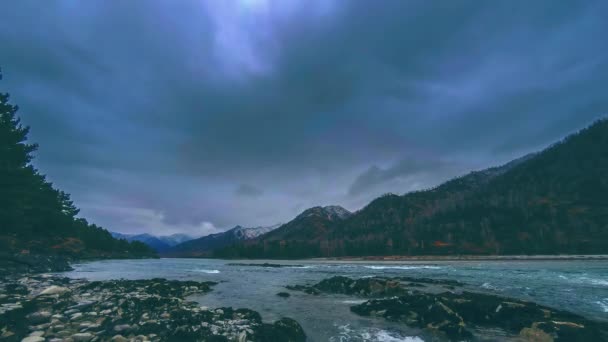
{"points": [[577, 286]]}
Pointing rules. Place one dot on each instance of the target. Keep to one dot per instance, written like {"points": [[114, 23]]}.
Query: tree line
{"points": [[35, 216]]}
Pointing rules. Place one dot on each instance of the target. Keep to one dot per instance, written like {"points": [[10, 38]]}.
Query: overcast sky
{"points": [[195, 116]]}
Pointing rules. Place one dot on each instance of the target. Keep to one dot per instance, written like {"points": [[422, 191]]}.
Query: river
{"points": [[574, 285]]}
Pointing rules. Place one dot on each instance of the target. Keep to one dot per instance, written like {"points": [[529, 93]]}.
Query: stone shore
{"points": [[39, 308]]}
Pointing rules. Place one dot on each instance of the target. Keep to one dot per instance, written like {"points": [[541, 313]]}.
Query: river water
{"points": [[577, 286]]}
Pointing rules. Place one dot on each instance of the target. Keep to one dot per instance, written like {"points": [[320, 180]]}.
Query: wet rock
{"points": [[371, 287], [285, 329], [264, 265], [306, 289], [447, 282], [456, 315]]}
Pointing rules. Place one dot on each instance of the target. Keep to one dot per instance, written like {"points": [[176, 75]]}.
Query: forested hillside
{"points": [[35, 217], [550, 202]]}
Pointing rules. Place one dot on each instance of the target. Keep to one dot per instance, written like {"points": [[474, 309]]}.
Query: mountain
{"points": [[158, 243], [311, 222], [205, 245], [549, 202], [38, 222], [176, 239]]}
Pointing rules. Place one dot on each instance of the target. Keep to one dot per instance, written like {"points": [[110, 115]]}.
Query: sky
{"points": [[195, 116]]}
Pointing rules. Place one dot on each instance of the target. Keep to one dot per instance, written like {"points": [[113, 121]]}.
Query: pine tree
{"points": [[34, 215], [16, 173]]}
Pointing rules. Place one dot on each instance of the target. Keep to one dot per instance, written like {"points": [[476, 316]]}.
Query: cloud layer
{"points": [[196, 116]]}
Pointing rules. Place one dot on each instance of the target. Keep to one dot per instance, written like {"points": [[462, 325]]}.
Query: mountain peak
{"points": [[331, 212]]}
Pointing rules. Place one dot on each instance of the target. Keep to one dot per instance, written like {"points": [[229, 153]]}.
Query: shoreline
{"points": [[47, 307], [402, 258], [416, 259]]}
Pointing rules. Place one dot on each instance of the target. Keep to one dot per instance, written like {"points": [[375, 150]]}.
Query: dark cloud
{"points": [[248, 190], [152, 114], [403, 170]]}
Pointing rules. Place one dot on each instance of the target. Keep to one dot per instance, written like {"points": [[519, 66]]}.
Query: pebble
{"points": [[82, 337], [54, 290], [33, 339]]}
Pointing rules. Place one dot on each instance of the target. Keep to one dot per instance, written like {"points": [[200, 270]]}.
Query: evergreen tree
{"points": [[37, 217]]}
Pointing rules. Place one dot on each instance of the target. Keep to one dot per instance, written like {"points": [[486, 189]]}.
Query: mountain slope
{"points": [[310, 223], [297, 238], [205, 245], [550, 202], [158, 243]]}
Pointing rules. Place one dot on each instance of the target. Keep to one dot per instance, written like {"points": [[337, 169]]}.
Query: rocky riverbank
{"points": [[18, 263], [458, 315], [50, 308]]}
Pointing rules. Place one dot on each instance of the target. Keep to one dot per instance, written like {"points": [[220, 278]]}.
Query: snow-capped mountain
{"points": [[243, 233], [204, 245], [331, 212]]}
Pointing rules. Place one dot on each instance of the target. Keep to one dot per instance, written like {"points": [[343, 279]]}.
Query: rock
{"points": [[54, 290], [285, 329], [64, 333], [306, 289], [39, 317], [33, 339], [76, 316], [455, 314], [122, 327], [83, 305], [535, 335], [119, 338], [268, 265], [283, 294], [70, 312], [118, 310], [82, 337], [370, 287]]}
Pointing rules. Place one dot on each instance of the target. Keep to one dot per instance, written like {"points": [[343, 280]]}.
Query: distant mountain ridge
{"points": [[158, 243], [549, 202], [204, 246]]}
